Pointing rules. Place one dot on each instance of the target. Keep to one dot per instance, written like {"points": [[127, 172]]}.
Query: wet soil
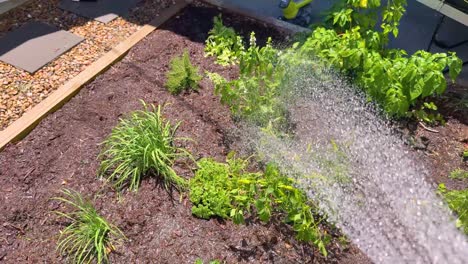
{"points": [[62, 153], [443, 145]]}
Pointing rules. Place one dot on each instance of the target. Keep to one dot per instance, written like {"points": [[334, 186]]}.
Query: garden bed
{"points": [[62, 153]]}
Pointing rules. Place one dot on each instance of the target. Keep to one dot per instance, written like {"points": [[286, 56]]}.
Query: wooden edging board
{"points": [[21, 127], [248, 13]]}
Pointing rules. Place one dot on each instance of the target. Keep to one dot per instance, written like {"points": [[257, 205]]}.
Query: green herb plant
{"points": [[254, 96], [354, 40], [228, 190], [142, 145], [89, 236], [182, 75], [390, 77], [458, 203], [223, 43]]}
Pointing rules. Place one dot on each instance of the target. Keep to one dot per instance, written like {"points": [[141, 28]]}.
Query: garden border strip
{"points": [[267, 19], [21, 127]]}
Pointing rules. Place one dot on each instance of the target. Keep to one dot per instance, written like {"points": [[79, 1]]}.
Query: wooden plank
{"points": [[21, 127]]}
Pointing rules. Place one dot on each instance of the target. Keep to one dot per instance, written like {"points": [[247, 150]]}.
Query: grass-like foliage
{"points": [[458, 203], [182, 75], [229, 191], [142, 145], [89, 236]]}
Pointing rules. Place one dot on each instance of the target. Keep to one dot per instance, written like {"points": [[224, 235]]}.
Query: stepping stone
{"points": [[35, 44], [101, 10]]}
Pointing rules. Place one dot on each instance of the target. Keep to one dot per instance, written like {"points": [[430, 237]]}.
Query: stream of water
{"points": [[366, 179]]}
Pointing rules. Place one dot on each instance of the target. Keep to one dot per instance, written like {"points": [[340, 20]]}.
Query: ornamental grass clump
{"points": [[89, 236], [182, 75], [142, 145]]}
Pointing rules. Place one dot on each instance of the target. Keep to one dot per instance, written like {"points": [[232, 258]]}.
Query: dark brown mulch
{"points": [[61, 153]]}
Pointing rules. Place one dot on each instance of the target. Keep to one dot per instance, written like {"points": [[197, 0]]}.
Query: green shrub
{"points": [[356, 43], [224, 44], [393, 79], [182, 75], [458, 203], [142, 145], [228, 190], [89, 236]]}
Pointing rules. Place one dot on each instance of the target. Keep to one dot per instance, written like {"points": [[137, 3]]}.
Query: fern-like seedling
{"points": [[182, 75], [89, 236], [142, 145]]}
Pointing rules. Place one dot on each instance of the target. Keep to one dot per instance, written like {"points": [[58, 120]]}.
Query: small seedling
{"points": [[200, 261], [224, 43], [457, 201], [89, 236], [459, 174], [142, 145], [182, 75]]}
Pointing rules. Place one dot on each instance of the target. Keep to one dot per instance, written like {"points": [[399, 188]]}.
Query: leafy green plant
{"points": [[427, 113], [211, 187], [142, 145], [390, 77], [366, 15], [182, 75], [458, 203], [223, 43], [200, 261], [89, 236], [254, 96], [228, 190], [459, 174]]}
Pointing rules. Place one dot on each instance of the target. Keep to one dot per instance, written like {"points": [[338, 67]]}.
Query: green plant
{"points": [[355, 41], [459, 174], [142, 145], [182, 75], [366, 15], [458, 203], [228, 190], [200, 261], [427, 113], [254, 96], [390, 77], [211, 189], [89, 236], [223, 43]]}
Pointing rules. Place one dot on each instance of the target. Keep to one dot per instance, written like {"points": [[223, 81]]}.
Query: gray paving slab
{"points": [[35, 44], [102, 10]]}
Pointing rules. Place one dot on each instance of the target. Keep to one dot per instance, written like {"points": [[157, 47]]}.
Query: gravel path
{"points": [[20, 91]]}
